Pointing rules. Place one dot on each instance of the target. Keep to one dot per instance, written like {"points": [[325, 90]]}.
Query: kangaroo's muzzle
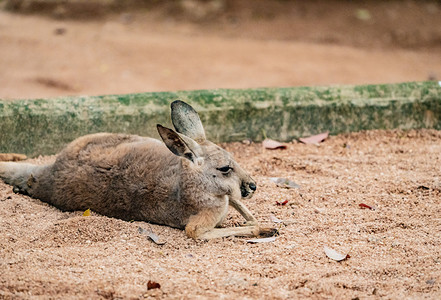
{"points": [[247, 189]]}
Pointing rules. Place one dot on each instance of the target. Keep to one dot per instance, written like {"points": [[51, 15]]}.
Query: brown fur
{"points": [[186, 183], [12, 157]]}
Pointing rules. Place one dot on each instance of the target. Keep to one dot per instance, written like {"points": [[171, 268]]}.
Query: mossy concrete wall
{"points": [[44, 126]]}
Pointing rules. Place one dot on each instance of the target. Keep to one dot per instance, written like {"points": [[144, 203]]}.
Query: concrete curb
{"points": [[44, 126]]}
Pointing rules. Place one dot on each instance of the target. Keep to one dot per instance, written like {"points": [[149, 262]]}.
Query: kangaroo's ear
{"points": [[186, 121], [178, 144]]}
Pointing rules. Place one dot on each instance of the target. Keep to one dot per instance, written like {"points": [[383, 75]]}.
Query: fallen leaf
{"points": [[262, 240], [362, 205], [153, 285], [319, 210], [282, 203], [272, 144], [151, 235], [315, 139], [274, 219], [283, 182], [423, 187], [332, 254], [86, 213]]}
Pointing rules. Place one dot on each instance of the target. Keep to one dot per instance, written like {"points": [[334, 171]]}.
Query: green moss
{"points": [[44, 126]]}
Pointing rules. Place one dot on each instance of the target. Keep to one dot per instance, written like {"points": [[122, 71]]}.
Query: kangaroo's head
{"points": [[211, 167]]}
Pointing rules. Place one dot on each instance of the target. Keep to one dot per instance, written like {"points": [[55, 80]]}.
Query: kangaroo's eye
{"points": [[225, 170]]}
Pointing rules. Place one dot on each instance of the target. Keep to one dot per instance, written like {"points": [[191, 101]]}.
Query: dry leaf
{"points": [[332, 254], [274, 219], [262, 240], [315, 139], [151, 235], [153, 285], [272, 144], [362, 205], [281, 203], [86, 213], [283, 182], [319, 210]]}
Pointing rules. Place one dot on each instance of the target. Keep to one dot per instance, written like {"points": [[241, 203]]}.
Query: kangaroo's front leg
{"points": [[244, 211]]}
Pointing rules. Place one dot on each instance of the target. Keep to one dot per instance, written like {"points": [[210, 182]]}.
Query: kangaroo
{"points": [[186, 182]]}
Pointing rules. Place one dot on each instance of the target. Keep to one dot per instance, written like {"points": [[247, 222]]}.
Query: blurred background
{"points": [[91, 47]]}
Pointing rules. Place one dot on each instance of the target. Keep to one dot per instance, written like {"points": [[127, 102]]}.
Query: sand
{"points": [[394, 250]]}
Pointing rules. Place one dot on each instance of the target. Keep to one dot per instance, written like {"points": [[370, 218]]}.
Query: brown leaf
{"points": [[153, 285], [332, 254], [362, 205], [272, 144], [315, 139], [282, 203], [423, 187]]}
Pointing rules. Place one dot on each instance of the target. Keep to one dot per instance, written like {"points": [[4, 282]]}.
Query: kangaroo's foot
{"points": [[24, 187], [12, 157]]}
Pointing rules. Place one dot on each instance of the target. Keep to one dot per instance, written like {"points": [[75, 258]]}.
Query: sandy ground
{"points": [[394, 250], [287, 43]]}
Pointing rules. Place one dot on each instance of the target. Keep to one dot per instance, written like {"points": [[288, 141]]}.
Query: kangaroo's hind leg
{"points": [[202, 226]]}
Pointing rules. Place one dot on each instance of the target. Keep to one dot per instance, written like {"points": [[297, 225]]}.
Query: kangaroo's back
{"points": [[115, 175]]}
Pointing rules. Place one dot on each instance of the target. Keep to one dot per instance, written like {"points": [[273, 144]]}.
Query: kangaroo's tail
{"points": [[19, 175]]}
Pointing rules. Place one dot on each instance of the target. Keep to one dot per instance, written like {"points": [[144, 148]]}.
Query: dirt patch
{"points": [[187, 45], [414, 24], [394, 250]]}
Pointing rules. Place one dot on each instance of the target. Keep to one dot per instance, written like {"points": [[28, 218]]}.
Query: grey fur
{"points": [[186, 121]]}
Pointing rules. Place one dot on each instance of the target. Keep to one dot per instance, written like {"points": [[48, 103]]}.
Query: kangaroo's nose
{"points": [[252, 186]]}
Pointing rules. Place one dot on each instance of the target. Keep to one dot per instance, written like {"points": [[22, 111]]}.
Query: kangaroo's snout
{"points": [[247, 189]]}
